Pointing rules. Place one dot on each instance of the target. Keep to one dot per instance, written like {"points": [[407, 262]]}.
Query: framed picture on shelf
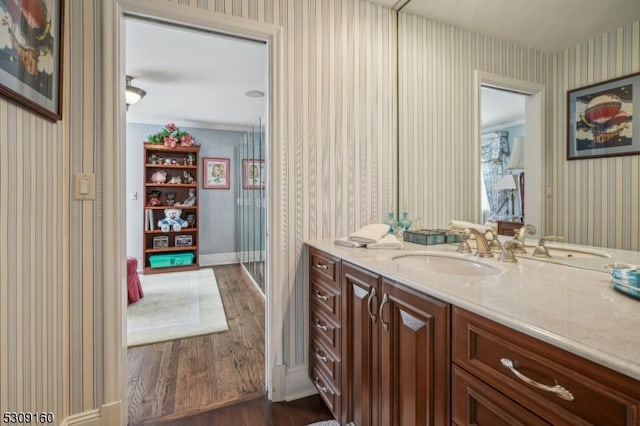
{"points": [[31, 55], [216, 173], [601, 120], [253, 174]]}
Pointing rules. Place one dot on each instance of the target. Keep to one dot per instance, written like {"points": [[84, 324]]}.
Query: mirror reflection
{"points": [[446, 55]]}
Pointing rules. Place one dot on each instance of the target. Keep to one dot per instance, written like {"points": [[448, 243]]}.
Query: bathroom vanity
{"points": [[428, 336]]}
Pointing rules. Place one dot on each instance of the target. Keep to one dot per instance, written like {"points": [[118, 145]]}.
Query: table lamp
{"points": [[508, 183]]}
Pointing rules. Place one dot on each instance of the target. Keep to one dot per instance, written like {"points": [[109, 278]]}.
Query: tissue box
{"points": [[425, 236], [626, 281]]}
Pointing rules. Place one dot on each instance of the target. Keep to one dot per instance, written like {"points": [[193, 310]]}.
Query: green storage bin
{"points": [[172, 259]]}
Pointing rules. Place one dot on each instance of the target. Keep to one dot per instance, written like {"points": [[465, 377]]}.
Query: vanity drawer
{"points": [[600, 396], [330, 396], [326, 361], [324, 329], [323, 265], [326, 296], [475, 403]]}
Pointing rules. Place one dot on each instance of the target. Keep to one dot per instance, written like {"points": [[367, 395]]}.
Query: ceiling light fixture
{"points": [[255, 94], [133, 94]]}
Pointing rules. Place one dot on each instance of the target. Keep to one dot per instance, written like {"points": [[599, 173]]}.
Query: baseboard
{"points": [[107, 415], [86, 418], [219, 259], [298, 383]]}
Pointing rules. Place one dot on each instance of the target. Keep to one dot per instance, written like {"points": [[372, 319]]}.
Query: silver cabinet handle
{"points": [[321, 296], [385, 299], [322, 388], [320, 325], [321, 357], [560, 391], [321, 266], [372, 315]]}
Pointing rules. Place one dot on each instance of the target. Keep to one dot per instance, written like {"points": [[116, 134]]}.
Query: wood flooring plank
{"points": [[185, 376]]}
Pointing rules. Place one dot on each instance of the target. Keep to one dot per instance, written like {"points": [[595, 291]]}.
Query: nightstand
{"points": [[508, 228]]}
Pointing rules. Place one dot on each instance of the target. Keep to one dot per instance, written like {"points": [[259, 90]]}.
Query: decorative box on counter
{"points": [[425, 236]]}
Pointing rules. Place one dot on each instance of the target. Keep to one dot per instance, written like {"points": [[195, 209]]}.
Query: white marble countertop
{"points": [[573, 308]]}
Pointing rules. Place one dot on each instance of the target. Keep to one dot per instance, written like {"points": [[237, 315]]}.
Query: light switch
{"points": [[84, 186]]}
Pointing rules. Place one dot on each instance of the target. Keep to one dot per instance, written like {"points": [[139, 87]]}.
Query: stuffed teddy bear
{"points": [[172, 220]]}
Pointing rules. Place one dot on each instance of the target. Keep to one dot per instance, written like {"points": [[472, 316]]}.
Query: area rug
{"points": [[326, 423], [176, 305]]}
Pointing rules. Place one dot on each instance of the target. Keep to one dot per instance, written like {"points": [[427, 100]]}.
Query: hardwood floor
{"points": [[260, 412], [187, 376]]}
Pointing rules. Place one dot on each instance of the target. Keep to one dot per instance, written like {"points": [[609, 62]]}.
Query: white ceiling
{"points": [[548, 25], [199, 79], [501, 108], [194, 78]]}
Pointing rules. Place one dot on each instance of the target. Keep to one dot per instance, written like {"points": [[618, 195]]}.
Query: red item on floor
{"points": [[134, 288]]}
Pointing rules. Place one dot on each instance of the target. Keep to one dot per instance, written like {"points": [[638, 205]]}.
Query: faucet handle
{"points": [[541, 250], [494, 242], [463, 246], [506, 255]]}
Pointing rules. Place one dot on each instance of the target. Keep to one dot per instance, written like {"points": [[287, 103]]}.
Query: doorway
{"points": [[533, 139], [218, 137]]}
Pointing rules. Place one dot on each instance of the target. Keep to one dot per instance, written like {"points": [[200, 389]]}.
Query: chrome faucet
{"points": [[520, 235], [482, 246]]}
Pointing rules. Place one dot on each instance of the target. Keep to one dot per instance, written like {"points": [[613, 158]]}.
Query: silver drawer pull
{"points": [[321, 296], [560, 391], [322, 388], [321, 266], [321, 357], [320, 325]]}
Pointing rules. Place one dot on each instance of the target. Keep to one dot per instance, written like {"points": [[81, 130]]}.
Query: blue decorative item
{"points": [[391, 221], [405, 223]]}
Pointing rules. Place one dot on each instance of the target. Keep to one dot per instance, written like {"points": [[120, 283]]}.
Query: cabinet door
{"points": [[415, 358], [360, 290]]}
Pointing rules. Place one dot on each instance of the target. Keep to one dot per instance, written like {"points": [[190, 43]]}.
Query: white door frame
{"points": [[534, 139], [113, 160]]}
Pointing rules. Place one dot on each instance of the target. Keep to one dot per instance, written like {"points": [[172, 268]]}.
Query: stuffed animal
{"points": [[154, 198], [172, 221]]}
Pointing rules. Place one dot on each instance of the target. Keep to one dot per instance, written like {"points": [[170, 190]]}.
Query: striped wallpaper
{"points": [[594, 202], [338, 163], [439, 160]]}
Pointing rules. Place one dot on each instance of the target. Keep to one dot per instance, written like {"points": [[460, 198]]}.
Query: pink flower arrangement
{"points": [[171, 136]]}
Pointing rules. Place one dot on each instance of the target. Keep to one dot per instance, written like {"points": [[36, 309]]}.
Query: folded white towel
{"points": [[344, 241], [389, 241], [370, 233], [461, 224]]}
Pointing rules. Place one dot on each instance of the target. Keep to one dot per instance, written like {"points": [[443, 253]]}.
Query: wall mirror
{"points": [[447, 51], [440, 115]]}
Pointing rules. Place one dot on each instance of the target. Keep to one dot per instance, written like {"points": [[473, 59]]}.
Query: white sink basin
{"points": [[444, 263]]}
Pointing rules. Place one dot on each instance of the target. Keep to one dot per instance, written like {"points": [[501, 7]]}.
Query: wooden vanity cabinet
{"points": [[325, 329], [396, 353], [592, 395]]}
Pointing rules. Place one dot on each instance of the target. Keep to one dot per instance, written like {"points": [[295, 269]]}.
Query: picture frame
{"points": [[31, 49], [601, 120], [253, 174], [216, 173]]}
